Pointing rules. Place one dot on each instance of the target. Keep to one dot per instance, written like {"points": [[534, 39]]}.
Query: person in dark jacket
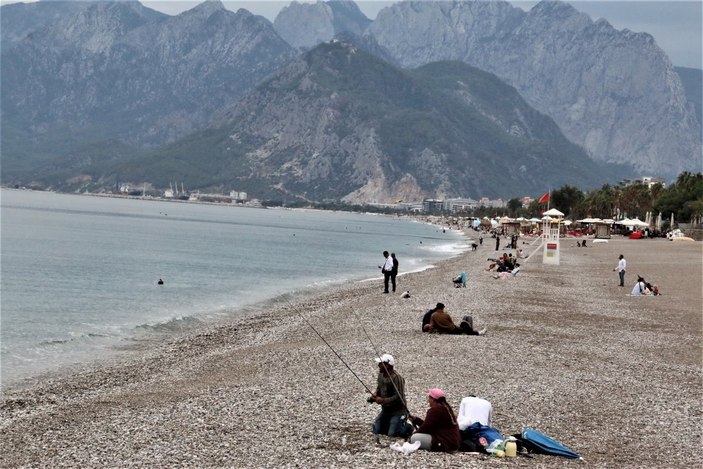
{"points": [[439, 430], [394, 272], [390, 395]]}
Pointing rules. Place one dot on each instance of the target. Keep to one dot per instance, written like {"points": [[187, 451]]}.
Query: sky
{"points": [[675, 25]]}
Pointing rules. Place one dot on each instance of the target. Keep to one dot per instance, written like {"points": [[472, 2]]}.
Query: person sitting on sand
{"points": [[508, 274], [390, 395], [474, 409], [441, 322], [439, 430], [498, 264], [640, 288]]}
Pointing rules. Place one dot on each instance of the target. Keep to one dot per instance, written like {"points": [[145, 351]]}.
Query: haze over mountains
{"points": [[102, 92]]}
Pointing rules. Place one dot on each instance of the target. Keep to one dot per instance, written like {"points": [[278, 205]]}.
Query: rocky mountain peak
{"points": [[322, 20]]}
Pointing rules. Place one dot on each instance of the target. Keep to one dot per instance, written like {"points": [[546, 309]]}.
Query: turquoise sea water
{"points": [[79, 273]]}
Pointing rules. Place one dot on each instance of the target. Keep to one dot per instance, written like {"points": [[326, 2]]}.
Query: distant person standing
{"points": [[497, 241], [394, 271], [387, 269], [621, 268]]}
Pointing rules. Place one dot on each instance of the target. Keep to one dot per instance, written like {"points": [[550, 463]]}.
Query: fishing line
{"points": [[333, 350], [381, 361]]}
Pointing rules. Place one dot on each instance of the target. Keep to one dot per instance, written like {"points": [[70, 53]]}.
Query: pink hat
{"points": [[436, 393]]}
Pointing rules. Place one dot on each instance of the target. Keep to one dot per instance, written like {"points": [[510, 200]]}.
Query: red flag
{"points": [[544, 199]]}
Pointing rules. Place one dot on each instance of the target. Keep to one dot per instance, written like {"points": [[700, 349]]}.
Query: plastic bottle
{"points": [[511, 448]]}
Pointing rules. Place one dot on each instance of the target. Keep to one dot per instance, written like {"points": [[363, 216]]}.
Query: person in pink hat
{"points": [[439, 431]]}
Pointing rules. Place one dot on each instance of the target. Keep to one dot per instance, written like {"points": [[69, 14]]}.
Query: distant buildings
{"points": [[456, 205], [648, 181]]}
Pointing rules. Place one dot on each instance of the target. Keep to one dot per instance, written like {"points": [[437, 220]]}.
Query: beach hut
{"points": [[602, 229]]}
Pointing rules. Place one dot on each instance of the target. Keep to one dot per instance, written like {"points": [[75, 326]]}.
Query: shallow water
{"points": [[79, 273]]}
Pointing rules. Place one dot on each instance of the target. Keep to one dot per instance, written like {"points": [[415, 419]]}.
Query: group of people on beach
{"points": [[437, 320], [440, 430], [642, 287]]}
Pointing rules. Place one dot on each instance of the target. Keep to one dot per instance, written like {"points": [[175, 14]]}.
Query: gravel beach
{"points": [[616, 378]]}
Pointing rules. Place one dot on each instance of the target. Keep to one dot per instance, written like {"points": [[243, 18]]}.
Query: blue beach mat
{"points": [[538, 442]]}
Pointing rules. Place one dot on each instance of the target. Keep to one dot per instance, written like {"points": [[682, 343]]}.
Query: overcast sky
{"points": [[675, 25]]}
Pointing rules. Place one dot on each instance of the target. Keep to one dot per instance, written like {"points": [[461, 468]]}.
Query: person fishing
{"points": [[390, 395]]}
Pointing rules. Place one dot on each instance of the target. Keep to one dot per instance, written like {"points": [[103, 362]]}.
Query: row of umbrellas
{"points": [[553, 213]]}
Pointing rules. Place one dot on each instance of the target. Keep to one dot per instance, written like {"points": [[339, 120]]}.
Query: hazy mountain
{"points": [[305, 25], [18, 20], [118, 70], [692, 80], [613, 92], [339, 123], [90, 85]]}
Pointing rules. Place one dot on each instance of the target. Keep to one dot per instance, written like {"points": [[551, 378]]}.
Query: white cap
{"points": [[386, 358]]}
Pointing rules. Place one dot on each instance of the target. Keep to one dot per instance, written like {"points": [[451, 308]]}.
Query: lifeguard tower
{"points": [[550, 232]]}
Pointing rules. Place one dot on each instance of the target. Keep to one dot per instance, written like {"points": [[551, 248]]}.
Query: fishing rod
{"points": [[333, 350], [382, 362]]}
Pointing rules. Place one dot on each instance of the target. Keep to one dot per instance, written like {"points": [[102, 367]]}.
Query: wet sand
{"points": [[616, 378]]}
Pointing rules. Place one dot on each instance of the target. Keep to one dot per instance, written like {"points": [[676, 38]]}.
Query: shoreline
{"points": [[615, 378]]}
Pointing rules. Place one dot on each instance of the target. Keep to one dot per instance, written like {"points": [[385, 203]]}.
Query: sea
{"points": [[80, 274]]}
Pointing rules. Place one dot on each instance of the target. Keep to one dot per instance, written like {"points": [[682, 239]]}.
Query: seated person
{"points": [[442, 323], [474, 409], [640, 288], [507, 275], [583, 244], [438, 431], [426, 320]]}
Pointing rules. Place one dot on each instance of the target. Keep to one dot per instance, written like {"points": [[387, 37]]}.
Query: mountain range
{"points": [[430, 99]]}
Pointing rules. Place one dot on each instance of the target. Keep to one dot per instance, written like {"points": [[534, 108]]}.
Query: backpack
{"points": [[477, 437], [539, 443]]}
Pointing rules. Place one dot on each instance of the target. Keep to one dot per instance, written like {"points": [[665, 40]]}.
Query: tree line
{"points": [[683, 198]]}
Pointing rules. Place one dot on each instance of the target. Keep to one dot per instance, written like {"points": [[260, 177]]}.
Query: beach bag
{"points": [[477, 437], [539, 443]]}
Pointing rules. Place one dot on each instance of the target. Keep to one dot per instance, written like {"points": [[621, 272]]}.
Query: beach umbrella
{"points": [[553, 213], [636, 222], [671, 224], [659, 222]]}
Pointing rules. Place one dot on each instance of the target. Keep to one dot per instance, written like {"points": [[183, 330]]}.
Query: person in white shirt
{"points": [[621, 268], [387, 269], [474, 409]]}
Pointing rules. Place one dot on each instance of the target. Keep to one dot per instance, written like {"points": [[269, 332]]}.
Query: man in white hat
{"points": [[390, 395]]}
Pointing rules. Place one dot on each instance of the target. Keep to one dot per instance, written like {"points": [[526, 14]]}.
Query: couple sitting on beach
{"points": [[439, 321], [644, 288]]}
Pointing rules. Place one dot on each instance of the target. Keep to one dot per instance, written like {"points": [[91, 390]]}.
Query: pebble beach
{"points": [[618, 379]]}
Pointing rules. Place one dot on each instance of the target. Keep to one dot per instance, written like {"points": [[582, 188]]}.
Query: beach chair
{"points": [[460, 280]]}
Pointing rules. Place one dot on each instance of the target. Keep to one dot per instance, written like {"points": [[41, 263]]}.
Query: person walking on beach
{"points": [[394, 271], [621, 268], [497, 241], [387, 269], [439, 430], [390, 395]]}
